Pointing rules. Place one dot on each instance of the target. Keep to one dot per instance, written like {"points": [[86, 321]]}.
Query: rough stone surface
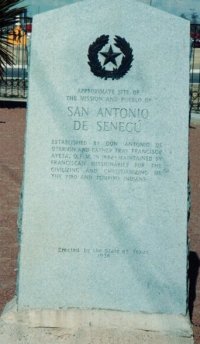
{"points": [[92, 326], [105, 190], [176, 325], [12, 334]]}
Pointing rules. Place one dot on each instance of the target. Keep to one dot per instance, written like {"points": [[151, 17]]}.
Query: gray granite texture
{"points": [[104, 216]]}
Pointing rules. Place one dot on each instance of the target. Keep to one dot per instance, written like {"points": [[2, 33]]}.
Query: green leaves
{"points": [[9, 12], [8, 17]]}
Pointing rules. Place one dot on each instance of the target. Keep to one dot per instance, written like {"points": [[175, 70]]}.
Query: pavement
{"points": [[12, 128]]}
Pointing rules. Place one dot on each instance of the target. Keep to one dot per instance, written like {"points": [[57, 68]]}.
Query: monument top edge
{"points": [[91, 4]]}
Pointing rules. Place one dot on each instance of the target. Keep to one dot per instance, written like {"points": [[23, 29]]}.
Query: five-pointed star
{"points": [[110, 56]]}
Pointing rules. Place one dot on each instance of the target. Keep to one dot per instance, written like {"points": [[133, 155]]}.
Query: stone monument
{"points": [[103, 222]]}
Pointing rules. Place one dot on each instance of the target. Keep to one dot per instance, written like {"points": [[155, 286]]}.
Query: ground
{"points": [[194, 228], [12, 128]]}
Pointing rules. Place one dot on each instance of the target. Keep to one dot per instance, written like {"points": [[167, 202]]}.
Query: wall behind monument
{"points": [[183, 8]]}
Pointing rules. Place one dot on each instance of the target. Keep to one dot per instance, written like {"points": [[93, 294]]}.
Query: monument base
{"points": [[91, 327]]}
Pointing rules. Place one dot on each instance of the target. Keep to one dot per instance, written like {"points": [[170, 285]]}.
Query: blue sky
{"points": [[186, 8]]}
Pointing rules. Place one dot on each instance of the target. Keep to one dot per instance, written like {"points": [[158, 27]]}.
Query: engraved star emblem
{"points": [[110, 56]]}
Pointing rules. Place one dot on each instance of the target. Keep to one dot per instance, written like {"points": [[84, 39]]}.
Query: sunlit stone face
{"points": [[104, 216]]}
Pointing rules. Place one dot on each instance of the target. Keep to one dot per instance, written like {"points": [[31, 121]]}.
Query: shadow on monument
{"points": [[193, 271]]}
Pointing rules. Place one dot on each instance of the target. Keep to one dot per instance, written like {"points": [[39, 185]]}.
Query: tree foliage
{"points": [[9, 12]]}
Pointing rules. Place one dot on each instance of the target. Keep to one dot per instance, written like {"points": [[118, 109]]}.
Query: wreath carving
{"points": [[95, 65]]}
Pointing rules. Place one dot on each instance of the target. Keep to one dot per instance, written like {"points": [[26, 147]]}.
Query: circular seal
{"points": [[99, 69]]}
